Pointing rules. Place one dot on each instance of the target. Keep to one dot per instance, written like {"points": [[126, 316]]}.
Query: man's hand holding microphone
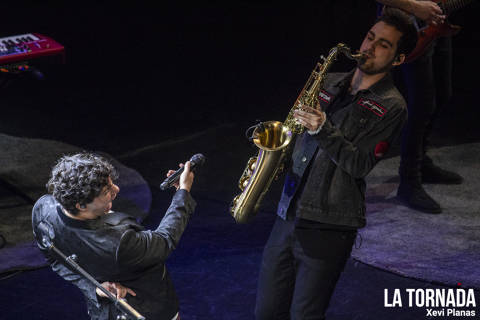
{"points": [[183, 177], [186, 178]]}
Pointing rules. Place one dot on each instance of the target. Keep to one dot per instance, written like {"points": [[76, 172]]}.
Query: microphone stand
{"points": [[128, 312]]}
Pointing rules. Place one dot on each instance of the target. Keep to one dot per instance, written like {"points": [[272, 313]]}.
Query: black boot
{"points": [[414, 196], [411, 192], [434, 174]]}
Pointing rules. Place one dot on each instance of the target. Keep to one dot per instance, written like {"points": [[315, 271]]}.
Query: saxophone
{"points": [[274, 140]]}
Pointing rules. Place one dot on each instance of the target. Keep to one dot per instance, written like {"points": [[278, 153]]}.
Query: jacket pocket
{"points": [[359, 123]]}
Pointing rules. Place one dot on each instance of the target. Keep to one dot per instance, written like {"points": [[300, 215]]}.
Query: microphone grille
{"points": [[198, 159]]}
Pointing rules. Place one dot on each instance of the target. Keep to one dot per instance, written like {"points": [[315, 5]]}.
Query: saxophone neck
{"points": [[359, 56], [309, 94]]}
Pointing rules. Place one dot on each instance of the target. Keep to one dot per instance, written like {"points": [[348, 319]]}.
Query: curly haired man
{"points": [[111, 246]]}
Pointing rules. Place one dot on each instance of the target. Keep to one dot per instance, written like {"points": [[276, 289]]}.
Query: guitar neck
{"points": [[450, 6]]}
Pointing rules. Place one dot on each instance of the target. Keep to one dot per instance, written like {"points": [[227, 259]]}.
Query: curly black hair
{"points": [[79, 178]]}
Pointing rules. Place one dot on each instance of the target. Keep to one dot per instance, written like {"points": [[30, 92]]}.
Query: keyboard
{"points": [[28, 46]]}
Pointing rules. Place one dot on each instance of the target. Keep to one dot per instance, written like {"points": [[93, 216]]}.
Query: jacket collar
{"points": [[377, 88], [81, 224]]}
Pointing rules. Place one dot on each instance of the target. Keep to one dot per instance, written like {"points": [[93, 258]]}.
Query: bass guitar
{"points": [[429, 33]]}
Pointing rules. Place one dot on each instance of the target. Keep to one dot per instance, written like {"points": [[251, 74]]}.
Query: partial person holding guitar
{"points": [[428, 86]]}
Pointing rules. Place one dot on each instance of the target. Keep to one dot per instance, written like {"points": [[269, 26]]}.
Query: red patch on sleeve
{"points": [[380, 149]]}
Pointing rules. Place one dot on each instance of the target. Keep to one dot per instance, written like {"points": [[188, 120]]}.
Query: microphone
{"points": [[196, 160]]}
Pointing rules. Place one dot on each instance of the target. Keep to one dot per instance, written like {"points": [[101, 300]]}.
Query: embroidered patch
{"points": [[380, 149], [372, 106], [325, 96]]}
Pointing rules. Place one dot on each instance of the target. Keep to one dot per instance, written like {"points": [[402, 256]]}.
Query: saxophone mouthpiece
{"points": [[360, 57]]}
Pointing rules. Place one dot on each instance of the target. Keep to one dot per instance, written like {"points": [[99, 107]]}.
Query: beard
{"points": [[371, 69]]}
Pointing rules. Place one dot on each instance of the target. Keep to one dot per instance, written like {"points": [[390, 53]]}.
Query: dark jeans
{"points": [[296, 285], [428, 88]]}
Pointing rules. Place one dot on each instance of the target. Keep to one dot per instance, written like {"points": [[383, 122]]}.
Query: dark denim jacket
{"points": [[350, 143], [115, 248]]}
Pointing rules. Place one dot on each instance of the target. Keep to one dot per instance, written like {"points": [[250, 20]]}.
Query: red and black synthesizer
{"points": [[26, 47]]}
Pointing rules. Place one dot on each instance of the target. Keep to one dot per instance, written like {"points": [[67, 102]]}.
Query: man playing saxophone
{"points": [[323, 200]]}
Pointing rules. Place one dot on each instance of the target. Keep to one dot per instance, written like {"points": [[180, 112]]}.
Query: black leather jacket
{"points": [[115, 248], [350, 143]]}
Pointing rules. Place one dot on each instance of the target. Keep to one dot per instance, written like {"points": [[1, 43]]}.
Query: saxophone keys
{"points": [[233, 204], [247, 173], [252, 163], [243, 183]]}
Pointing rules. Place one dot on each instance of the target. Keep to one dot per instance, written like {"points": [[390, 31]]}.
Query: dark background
{"points": [[138, 74], [166, 70]]}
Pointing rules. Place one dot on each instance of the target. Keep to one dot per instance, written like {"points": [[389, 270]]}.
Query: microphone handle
{"points": [[168, 182]]}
